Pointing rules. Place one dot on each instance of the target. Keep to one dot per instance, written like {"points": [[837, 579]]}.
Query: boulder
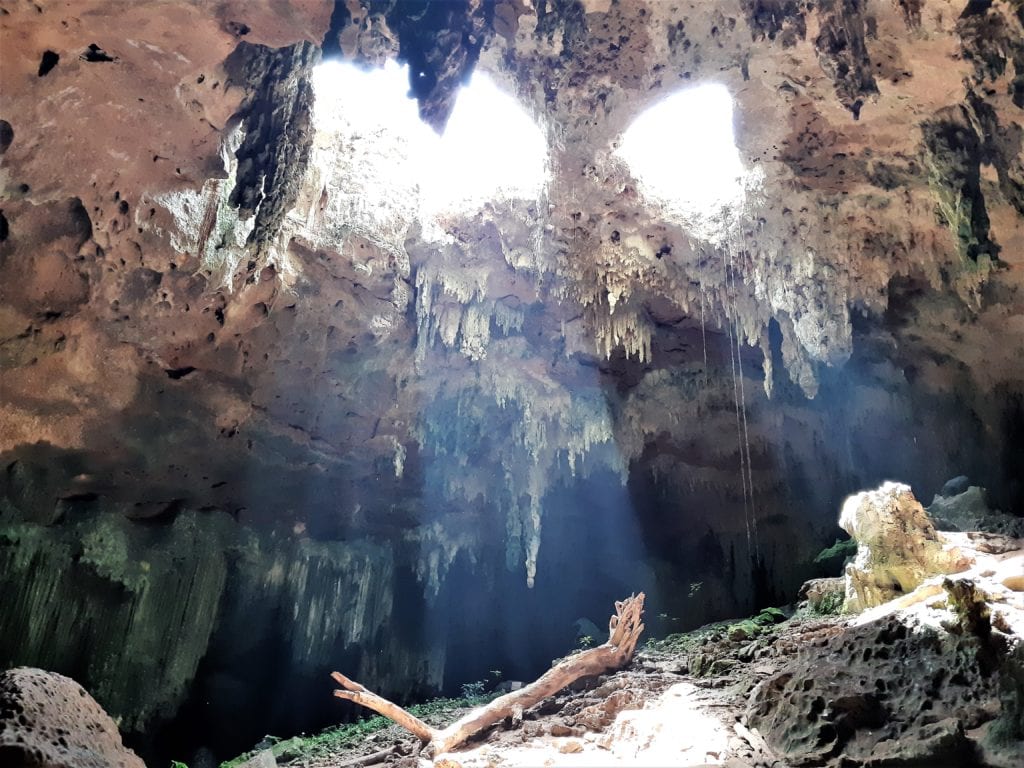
{"points": [[50, 721], [897, 546], [883, 693], [262, 759], [955, 486], [969, 510]]}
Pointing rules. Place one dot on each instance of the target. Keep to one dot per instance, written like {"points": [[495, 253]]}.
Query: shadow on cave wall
{"points": [[235, 643], [871, 421], [483, 619]]}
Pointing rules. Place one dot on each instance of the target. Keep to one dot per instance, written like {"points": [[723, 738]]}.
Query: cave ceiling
{"points": [[198, 309]]}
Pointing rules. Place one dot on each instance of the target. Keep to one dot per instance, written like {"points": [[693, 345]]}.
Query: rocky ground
{"points": [[695, 699], [719, 697], [682, 702]]}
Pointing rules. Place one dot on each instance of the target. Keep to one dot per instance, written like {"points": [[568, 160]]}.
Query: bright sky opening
{"points": [[490, 149], [682, 151]]}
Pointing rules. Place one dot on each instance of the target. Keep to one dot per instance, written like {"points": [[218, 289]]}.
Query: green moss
{"points": [[744, 630], [686, 642], [842, 549], [436, 712], [144, 600], [830, 605], [768, 616], [952, 157]]}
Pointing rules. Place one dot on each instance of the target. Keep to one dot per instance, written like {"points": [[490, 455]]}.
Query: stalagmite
{"points": [[624, 629]]}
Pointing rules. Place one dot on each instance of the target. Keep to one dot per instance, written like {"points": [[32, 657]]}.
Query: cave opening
{"points": [[489, 149], [682, 151]]}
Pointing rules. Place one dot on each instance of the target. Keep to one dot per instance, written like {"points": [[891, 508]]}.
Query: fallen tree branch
{"points": [[357, 693], [624, 629]]}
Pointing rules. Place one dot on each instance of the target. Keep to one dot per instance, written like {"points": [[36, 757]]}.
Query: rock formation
{"points": [[929, 673], [147, 603], [885, 691], [897, 546], [220, 336], [969, 510], [49, 720]]}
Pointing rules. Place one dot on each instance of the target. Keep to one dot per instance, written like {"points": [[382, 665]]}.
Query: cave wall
{"points": [[239, 411]]}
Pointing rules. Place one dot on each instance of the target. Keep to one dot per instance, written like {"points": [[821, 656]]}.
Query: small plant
{"points": [[837, 553], [755, 625], [831, 604], [586, 641], [474, 690], [178, 764]]}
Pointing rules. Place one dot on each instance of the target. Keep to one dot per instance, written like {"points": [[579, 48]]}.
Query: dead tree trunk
{"points": [[624, 630]]}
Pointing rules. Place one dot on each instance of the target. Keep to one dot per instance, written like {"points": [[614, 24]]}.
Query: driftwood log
{"points": [[624, 630]]}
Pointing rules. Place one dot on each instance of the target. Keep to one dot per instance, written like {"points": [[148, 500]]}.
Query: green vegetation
{"points": [[436, 712], [686, 642], [770, 616], [953, 154], [842, 549], [474, 690], [752, 627], [830, 605]]}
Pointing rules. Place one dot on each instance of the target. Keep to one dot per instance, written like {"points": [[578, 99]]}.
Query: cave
{"points": [[407, 339]]}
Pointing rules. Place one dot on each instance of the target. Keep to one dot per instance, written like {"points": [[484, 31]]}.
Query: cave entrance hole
{"points": [[682, 152], [491, 149]]}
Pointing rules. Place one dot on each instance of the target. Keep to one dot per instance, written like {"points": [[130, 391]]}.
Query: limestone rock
{"points": [[150, 603], [50, 721], [395, 389], [883, 691], [897, 546], [955, 486], [262, 759], [145, 611], [969, 510]]}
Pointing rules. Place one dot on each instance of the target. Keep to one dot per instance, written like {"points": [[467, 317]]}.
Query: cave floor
{"points": [[932, 678], [681, 703]]}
